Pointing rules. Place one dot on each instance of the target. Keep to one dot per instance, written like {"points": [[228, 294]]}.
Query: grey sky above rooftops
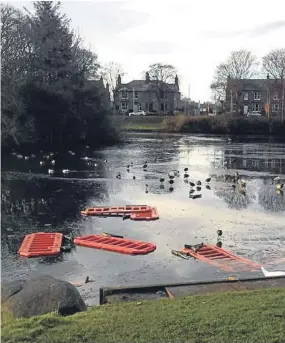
{"points": [[192, 35]]}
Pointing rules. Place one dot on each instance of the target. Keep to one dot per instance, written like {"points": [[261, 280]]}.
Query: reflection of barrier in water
{"points": [[115, 244]]}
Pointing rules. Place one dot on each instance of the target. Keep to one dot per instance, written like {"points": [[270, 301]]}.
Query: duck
{"points": [[198, 183], [171, 181], [208, 180], [219, 232], [145, 166], [171, 176], [198, 189], [186, 176], [191, 191], [277, 178], [192, 184], [196, 196], [65, 171], [134, 177], [185, 169], [53, 162], [176, 173], [161, 179], [105, 161], [208, 187], [51, 171], [27, 158], [279, 186], [118, 176]]}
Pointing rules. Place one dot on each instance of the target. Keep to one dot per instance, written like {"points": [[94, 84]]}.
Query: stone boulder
{"points": [[40, 295]]}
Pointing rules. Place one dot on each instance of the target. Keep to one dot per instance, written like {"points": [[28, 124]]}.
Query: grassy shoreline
{"points": [[222, 124], [251, 316]]}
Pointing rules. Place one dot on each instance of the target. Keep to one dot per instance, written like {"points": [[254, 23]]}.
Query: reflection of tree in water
{"points": [[29, 205], [272, 200], [236, 199]]}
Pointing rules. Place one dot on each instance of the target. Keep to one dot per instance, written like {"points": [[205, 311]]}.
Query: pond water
{"points": [[253, 223]]}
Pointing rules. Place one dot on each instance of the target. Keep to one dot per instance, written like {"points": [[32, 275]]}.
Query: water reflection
{"points": [[33, 201]]}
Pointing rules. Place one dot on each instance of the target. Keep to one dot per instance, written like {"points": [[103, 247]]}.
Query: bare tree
{"points": [[110, 73], [162, 72], [240, 65], [274, 63]]}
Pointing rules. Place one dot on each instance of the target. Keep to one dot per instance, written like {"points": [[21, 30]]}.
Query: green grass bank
{"points": [[251, 316], [222, 124]]}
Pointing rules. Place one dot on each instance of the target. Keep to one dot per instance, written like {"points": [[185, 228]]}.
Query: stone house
{"points": [[148, 95], [244, 96]]}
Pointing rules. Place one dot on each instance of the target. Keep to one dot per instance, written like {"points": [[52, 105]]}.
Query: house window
{"points": [[275, 107], [165, 95], [150, 107], [234, 107], [136, 95], [124, 106], [256, 107], [256, 95], [161, 107], [140, 107], [124, 95], [165, 107], [275, 96], [245, 96]]}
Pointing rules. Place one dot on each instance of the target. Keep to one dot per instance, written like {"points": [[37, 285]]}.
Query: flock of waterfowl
{"points": [[238, 183]]}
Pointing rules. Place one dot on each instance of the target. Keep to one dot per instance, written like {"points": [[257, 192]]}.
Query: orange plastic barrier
{"points": [[114, 210], [222, 259], [151, 214], [41, 244], [139, 212], [115, 244]]}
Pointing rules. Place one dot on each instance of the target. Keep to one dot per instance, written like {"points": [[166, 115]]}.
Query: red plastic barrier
{"points": [[115, 244], [139, 212], [41, 244], [222, 259]]}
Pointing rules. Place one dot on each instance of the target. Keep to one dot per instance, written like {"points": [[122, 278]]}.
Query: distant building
{"points": [[147, 95], [252, 95]]}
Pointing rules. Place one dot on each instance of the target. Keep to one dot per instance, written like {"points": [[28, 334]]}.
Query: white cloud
{"points": [[193, 35]]}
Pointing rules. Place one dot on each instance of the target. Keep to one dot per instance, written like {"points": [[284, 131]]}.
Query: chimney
{"points": [[147, 78], [267, 76], [119, 81], [176, 81]]}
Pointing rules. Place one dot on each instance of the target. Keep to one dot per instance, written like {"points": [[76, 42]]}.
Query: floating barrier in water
{"points": [[115, 244], [221, 258], [41, 244], [134, 212]]}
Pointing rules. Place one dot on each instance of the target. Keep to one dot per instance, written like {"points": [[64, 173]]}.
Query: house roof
{"points": [[142, 85], [251, 84]]}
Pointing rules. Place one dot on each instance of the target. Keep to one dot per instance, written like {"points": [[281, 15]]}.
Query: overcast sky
{"points": [[193, 35]]}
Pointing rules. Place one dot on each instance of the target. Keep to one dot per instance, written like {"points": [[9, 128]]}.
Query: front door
{"points": [[245, 109]]}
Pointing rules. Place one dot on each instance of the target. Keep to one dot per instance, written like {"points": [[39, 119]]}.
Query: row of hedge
{"points": [[224, 124]]}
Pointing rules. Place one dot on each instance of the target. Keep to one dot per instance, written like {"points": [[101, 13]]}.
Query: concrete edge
{"points": [[104, 291]]}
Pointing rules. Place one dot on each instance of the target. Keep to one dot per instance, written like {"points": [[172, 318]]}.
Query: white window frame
{"points": [[253, 107], [124, 106], [256, 95], [245, 96], [136, 95], [125, 95], [275, 107], [276, 96]]}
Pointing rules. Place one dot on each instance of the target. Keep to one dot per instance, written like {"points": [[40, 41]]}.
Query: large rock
{"points": [[40, 295]]}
